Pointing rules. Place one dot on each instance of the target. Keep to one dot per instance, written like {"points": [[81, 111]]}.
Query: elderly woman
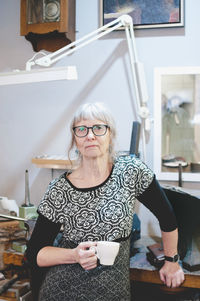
{"points": [[95, 202]]}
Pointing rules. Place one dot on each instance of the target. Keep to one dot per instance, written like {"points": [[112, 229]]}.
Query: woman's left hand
{"points": [[171, 274]]}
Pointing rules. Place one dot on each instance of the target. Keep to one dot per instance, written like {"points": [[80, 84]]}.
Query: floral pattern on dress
{"points": [[104, 212]]}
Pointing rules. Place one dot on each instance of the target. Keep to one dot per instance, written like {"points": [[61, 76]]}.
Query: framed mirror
{"points": [[177, 123]]}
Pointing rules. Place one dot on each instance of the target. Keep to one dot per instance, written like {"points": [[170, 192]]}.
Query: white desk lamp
{"points": [[48, 74], [141, 96]]}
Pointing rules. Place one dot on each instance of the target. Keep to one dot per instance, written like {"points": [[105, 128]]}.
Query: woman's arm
{"points": [[155, 199], [44, 234], [41, 252], [171, 273], [49, 256]]}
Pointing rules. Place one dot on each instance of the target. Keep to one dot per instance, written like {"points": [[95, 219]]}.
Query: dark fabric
{"points": [[43, 235], [135, 234], [155, 199], [70, 282]]}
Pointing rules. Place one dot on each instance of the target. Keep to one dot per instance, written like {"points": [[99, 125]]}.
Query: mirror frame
{"points": [[158, 73]]}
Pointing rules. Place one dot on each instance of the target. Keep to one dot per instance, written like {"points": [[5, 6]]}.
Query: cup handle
{"points": [[95, 250]]}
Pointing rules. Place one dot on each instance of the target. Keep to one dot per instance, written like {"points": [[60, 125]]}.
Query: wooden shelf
{"points": [[53, 162]]}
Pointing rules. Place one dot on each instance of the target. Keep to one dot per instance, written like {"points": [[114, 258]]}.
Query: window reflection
{"points": [[180, 122]]}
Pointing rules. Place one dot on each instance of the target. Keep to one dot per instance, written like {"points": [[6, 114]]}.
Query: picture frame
{"points": [[145, 13]]}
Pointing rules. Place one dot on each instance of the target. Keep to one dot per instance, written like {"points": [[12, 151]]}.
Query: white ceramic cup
{"points": [[107, 251]]}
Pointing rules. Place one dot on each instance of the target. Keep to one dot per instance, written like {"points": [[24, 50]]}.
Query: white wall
{"points": [[34, 118]]}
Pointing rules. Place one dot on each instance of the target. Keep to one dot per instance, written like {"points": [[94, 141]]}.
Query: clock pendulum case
{"points": [[48, 24]]}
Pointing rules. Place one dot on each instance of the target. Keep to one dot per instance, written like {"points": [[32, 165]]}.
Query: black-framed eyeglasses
{"points": [[97, 129]]}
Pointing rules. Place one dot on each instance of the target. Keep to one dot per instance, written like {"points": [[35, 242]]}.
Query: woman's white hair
{"points": [[94, 111]]}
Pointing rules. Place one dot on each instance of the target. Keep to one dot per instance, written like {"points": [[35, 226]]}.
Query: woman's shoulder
{"points": [[131, 162], [127, 160], [54, 199], [58, 181], [134, 172]]}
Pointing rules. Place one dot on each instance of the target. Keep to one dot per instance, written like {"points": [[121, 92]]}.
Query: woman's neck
{"points": [[96, 167], [91, 172]]}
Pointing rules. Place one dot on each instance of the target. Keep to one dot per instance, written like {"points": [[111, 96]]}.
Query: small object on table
{"points": [[173, 162], [2, 277], [8, 284], [156, 255]]}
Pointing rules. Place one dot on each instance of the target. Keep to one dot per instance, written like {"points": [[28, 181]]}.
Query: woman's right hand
{"points": [[85, 256]]}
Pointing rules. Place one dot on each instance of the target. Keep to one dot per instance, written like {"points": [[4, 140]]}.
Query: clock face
{"points": [[52, 11], [43, 11]]}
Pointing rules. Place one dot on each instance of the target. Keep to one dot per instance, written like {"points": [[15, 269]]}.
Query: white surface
{"points": [[38, 75]]}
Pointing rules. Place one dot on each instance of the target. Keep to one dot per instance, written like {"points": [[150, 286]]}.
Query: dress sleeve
{"points": [[155, 199], [144, 177], [135, 175], [53, 202], [43, 235]]}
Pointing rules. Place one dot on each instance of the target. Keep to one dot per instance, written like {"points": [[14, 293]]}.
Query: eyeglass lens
{"points": [[98, 130]]}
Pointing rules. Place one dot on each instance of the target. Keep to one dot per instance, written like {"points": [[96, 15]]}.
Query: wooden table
{"points": [[142, 271]]}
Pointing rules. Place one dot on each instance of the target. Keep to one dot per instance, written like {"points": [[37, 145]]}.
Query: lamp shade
{"points": [[38, 75]]}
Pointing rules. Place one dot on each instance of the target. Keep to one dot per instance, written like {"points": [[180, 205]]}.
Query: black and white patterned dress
{"points": [[104, 212]]}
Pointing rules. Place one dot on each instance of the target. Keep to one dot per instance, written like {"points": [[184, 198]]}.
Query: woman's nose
{"points": [[90, 134]]}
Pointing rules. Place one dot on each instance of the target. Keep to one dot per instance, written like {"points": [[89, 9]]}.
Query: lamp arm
{"points": [[137, 70], [136, 66], [51, 58], [138, 74]]}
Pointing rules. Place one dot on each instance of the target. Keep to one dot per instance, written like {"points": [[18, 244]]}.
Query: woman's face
{"points": [[92, 146]]}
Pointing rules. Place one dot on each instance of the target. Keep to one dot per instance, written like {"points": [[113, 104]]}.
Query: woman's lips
{"points": [[91, 146]]}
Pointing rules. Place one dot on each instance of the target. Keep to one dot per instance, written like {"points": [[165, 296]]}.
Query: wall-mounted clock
{"points": [[48, 24]]}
